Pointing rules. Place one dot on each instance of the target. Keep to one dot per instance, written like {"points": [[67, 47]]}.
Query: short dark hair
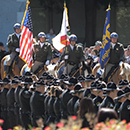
{"points": [[106, 113]]}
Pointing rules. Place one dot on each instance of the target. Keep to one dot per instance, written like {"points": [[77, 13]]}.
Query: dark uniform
{"points": [[37, 107], [97, 101], [25, 113], [51, 111], [4, 108], [107, 102], [75, 56], [116, 55], [43, 54], [70, 105], [46, 108], [65, 97], [10, 106], [125, 111], [17, 104], [76, 107], [57, 109]]}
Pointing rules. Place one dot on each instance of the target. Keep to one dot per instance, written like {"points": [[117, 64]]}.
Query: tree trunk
{"points": [[90, 17]]}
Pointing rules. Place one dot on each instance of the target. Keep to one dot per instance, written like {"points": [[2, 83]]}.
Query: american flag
{"points": [[26, 41]]}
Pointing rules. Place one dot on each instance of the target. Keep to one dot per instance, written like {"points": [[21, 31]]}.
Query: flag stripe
{"points": [[26, 41]]}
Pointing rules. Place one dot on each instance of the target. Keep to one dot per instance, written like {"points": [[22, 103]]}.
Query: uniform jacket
{"points": [[44, 53], [107, 103], [125, 111], [12, 42], [116, 54], [76, 55], [37, 104]]}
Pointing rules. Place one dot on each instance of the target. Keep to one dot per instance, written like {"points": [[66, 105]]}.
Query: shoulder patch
{"points": [[128, 107], [98, 104]]}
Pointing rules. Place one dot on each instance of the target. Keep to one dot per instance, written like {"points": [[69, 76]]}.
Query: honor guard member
{"points": [[6, 83], [10, 104], [13, 46], [125, 107], [119, 100], [72, 54], [72, 101], [116, 55], [98, 100], [111, 91], [66, 96], [37, 103], [17, 102], [24, 97], [43, 53]]}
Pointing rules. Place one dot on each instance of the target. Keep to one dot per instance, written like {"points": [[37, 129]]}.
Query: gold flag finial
{"points": [[64, 4], [109, 8]]}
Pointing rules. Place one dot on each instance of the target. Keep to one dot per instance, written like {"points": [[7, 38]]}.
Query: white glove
{"points": [[121, 62], [66, 57], [47, 62], [17, 49]]}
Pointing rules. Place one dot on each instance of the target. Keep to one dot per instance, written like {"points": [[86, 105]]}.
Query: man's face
{"points": [[72, 43], [42, 39], [114, 40], [18, 31]]}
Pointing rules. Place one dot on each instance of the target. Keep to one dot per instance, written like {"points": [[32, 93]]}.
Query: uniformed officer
{"points": [[119, 100], [125, 107], [98, 99], [10, 104], [116, 55], [82, 80], [111, 91], [72, 54], [43, 52], [13, 45], [72, 101], [17, 101], [6, 83], [66, 96], [24, 97], [57, 105], [93, 86], [37, 103]]}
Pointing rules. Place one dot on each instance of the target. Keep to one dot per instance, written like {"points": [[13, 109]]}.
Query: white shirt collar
{"points": [[41, 44], [72, 47], [113, 44], [18, 35]]}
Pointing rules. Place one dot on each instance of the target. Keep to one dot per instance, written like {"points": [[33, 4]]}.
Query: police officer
{"points": [[116, 55], [13, 45], [111, 91], [119, 100], [72, 101], [98, 99], [6, 83], [97, 48], [24, 97], [125, 107], [10, 104], [66, 96], [37, 102], [16, 96], [43, 52], [72, 54]]}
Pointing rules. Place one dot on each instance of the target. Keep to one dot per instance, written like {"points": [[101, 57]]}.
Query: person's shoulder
{"points": [[47, 43], [119, 44]]}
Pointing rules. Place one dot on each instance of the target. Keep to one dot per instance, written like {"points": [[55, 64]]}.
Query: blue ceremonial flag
{"points": [[105, 49]]}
